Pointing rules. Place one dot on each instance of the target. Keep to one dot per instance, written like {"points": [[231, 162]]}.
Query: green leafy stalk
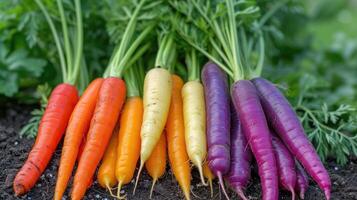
{"points": [[67, 45], [56, 38], [166, 52], [79, 44], [132, 82], [193, 66], [124, 52]]}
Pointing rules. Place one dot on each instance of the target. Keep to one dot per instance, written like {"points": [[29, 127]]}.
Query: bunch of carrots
{"points": [[219, 119]]}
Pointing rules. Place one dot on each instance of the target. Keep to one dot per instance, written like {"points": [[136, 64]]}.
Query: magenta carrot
{"points": [[286, 165], [302, 181], [241, 156], [286, 124], [255, 129]]}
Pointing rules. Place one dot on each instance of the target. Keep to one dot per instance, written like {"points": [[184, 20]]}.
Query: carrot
{"points": [[209, 175], [77, 129], [128, 151], [52, 126], [156, 164], [106, 173], [175, 136], [195, 116], [110, 101], [157, 96], [60, 105]]}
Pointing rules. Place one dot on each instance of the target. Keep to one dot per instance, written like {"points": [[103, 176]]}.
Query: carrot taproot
{"points": [[194, 114], [209, 176], [175, 135], [51, 129], [156, 99], [286, 124], [106, 172], [156, 164], [77, 129], [128, 151], [110, 100]]}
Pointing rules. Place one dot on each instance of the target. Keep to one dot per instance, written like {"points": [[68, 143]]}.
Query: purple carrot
{"points": [[255, 129], [218, 120], [286, 124], [241, 156], [286, 165], [302, 181]]}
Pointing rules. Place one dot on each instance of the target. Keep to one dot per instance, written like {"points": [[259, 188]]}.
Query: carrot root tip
{"points": [[199, 166], [302, 194], [292, 193], [211, 187], [221, 183], [152, 187], [240, 193], [138, 176], [118, 192]]}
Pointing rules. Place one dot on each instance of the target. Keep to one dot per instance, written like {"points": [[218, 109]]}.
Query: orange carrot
{"points": [[110, 100], [175, 133], [209, 175], [52, 126], [129, 141], [106, 173], [156, 164], [77, 129]]}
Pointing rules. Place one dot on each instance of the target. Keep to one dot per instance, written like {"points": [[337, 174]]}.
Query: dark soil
{"points": [[14, 150]]}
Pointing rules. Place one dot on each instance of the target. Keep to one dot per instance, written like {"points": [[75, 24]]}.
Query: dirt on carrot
{"points": [[14, 151]]}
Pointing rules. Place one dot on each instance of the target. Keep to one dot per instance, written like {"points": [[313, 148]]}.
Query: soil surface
{"points": [[14, 151]]}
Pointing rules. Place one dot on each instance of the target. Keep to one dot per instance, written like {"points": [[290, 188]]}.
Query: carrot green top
{"points": [[134, 79], [234, 34], [166, 54], [127, 50], [70, 61], [193, 66]]}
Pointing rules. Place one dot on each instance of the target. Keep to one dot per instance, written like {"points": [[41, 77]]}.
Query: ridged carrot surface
{"points": [[156, 164], [128, 151], [175, 134], [51, 129], [106, 172], [111, 98], [77, 129]]}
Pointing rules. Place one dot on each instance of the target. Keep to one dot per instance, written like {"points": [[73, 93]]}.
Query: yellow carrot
{"points": [[157, 96], [195, 123]]}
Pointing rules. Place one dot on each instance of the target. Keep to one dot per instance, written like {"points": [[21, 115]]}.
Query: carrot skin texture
{"points": [[110, 100], [128, 150], [286, 165], [76, 132], [156, 164], [156, 98], [175, 135], [241, 158], [194, 113], [255, 129], [106, 172], [217, 118], [285, 123], [51, 129], [302, 181]]}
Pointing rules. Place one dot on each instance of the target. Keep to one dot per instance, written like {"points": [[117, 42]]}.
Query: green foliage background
{"points": [[311, 54]]}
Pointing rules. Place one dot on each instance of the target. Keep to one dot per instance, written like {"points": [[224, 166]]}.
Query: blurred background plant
{"points": [[311, 53]]}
